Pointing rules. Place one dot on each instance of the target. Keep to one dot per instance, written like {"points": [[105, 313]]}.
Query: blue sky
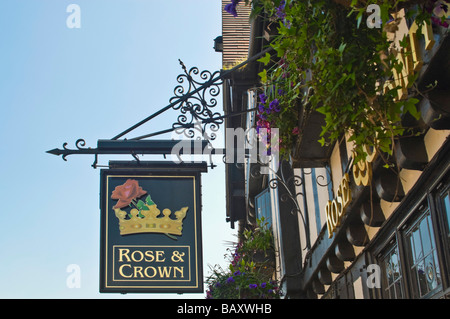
{"points": [[59, 84]]}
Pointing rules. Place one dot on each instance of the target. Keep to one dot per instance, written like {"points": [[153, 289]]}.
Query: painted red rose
{"points": [[126, 193]]}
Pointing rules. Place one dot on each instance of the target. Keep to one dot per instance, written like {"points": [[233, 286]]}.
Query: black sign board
{"points": [[151, 229]]}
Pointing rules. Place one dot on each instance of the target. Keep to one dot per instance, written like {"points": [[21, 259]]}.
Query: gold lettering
{"points": [[414, 45], [328, 216], [428, 34], [146, 272], [335, 209], [178, 269], [159, 254], [362, 170], [140, 257], [138, 270], [124, 253], [362, 173], [335, 216], [346, 192], [149, 254], [121, 271], [164, 271], [128, 270], [340, 200], [399, 80], [410, 58], [370, 154]]}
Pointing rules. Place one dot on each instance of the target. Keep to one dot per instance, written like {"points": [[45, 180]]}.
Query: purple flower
{"points": [[237, 273], [287, 23], [230, 280], [263, 98], [440, 9], [261, 108], [231, 7], [438, 21], [275, 105], [280, 13], [253, 286], [263, 285]]}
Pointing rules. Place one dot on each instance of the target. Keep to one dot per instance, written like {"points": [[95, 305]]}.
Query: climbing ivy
{"points": [[325, 48]]}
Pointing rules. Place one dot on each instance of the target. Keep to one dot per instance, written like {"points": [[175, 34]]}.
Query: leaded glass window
{"points": [[424, 266], [392, 273]]}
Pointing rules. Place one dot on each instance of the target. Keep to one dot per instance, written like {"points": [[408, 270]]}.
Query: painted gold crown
{"points": [[147, 221], [145, 218]]}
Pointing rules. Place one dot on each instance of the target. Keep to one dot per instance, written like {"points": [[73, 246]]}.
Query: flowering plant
{"points": [[323, 47], [440, 13], [240, 285], [278, 108], [247, 276]]}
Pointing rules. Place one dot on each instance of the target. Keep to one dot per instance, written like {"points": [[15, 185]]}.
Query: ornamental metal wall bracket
{"points": [[289, 182], [194, 98]]}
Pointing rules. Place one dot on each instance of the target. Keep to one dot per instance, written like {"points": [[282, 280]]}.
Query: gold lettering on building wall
{"points": [[335, 209], [362, 175], [362, 170], [409, 56]]}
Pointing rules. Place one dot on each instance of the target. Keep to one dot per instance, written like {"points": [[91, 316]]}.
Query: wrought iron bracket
{"points": [[289, 182], [194, 98]]}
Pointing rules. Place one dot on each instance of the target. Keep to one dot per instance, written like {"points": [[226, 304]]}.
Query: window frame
{"points": [[267, 198], [410, 260], [442, 226], [382, 258]]}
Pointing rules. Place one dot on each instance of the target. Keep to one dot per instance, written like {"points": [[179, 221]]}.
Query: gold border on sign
{"points": [[195, 233]]}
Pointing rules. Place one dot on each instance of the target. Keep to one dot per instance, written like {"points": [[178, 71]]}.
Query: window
{"points": [[263, 206], [415, 262], [409, 262], [390, 265], [443, 206], [446, 208], [423, 263]]}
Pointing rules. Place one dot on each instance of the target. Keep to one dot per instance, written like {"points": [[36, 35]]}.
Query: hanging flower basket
{"points": [[250, 274]]}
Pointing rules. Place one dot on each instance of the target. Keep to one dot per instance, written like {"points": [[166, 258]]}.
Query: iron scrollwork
{"points": [[289, 182], [319, 178], [195, 99], [80, 149]]}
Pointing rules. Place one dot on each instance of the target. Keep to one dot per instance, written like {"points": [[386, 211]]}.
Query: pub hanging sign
{"points": [[150, 231]]}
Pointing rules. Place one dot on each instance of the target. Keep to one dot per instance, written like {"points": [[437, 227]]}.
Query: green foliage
{"points": [[247, 276], [149, 200], [224, 284], [325, 48], [258, 238]]}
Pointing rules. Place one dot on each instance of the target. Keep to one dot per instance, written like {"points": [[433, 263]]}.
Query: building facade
{"points": [[346, 230]]}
